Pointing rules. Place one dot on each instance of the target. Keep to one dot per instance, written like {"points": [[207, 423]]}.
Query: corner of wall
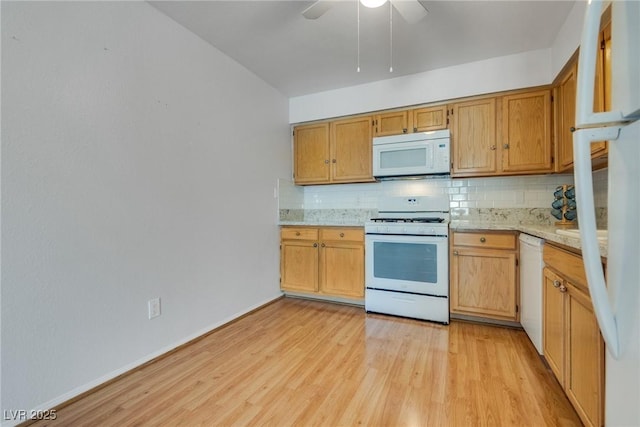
{"points": [[568, 38]]}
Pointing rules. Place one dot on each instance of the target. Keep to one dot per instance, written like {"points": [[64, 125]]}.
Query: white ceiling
{"points": [[299, 56]]}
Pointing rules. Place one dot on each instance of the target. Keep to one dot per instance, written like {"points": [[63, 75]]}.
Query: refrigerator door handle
{"points": [[587, 219]]}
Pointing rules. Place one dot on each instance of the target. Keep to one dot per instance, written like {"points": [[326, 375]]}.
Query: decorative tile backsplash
{"points": [[469, 197]]}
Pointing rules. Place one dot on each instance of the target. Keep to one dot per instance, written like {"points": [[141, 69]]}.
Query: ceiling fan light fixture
{"points": [[372, 3]]}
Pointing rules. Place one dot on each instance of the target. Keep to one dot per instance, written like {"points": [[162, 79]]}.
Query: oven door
{"points": [[413, 264]]}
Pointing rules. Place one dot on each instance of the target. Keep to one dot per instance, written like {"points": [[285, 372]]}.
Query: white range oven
{"points": [[407, 258]]}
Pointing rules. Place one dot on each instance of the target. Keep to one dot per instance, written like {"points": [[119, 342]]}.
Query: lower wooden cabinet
{"points": [[553, 334], [326, 261], [484, 279], [572, 344]]}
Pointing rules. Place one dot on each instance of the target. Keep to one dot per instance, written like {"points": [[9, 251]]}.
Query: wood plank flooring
{"points": [[307, 363]]}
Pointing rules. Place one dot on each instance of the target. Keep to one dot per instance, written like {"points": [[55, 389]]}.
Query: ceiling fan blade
{"points": [[317, 9], [411, 10]]}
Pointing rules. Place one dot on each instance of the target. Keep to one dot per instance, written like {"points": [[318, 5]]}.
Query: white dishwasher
{"points": [[531, 265]]}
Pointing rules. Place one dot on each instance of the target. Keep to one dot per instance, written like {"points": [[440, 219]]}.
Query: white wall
{"points": [[568, 38], [516, 71], [487, 76], [137, 162]]}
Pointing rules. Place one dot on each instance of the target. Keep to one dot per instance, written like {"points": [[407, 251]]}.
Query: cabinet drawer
{"points": [[570, 265], [350, 234], [299, 233], [485, 240]]}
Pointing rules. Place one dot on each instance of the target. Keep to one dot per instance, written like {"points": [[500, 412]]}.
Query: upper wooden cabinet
{"points": [[311, 153], [564, 96], [333, 152], [351, 150], [473, 137], [504, 135], [526, 132], [565, 102], [429, 118], [599, 150], [407, 121], [393, 123]]}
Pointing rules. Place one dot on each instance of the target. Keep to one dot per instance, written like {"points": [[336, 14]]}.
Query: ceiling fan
{"points": [[411, 10]]}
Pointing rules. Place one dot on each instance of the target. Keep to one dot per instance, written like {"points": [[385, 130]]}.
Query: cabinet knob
{"points": [[505, 146], [322, 245], [297, 233], [315, 245], [482, 240], [415, 129], [341, 234], [492, 147], [455, 252], [556, 283], [563, 288], [404, 130], [333, 161], [326, 162]]}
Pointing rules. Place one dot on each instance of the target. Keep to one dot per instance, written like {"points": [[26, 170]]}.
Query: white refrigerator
{"points": [[616, 300]]}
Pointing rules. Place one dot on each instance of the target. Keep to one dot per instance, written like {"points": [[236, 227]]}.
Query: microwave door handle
{"points": [[429, 155]]}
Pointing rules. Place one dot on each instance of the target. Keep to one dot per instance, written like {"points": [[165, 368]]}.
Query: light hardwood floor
{"points": [[306, 363]]}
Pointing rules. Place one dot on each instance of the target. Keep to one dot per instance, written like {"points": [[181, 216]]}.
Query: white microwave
{"points": [[412, 154]]}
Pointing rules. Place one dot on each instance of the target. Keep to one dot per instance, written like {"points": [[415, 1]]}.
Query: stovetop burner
{"points": [[418, 219]]}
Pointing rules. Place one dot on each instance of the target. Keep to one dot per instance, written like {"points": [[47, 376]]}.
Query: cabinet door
{"points": [[565, 106], [553, 323], [483, 282], [299, 265], [311, 153], [351, 150], [585, 358], [393, 123], [526, 138], [430, 118], [342, 269], [473, 137]]}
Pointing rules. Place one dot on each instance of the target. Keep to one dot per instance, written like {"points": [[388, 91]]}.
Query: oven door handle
{"points": [[405, 238], [403, 299]]}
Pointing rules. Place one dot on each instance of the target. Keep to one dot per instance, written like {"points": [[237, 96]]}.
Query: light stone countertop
{"points": [[345, 223], [517, 220]]}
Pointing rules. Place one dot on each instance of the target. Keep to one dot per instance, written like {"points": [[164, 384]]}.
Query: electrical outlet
{"points": [[154, 308]]}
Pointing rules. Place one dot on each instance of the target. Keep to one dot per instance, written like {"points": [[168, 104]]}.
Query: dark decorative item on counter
{"points": [[570, 192], [558, 204], [559, 193], [563, 207]]}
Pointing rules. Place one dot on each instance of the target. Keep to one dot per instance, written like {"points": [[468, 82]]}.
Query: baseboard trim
{"points": [[358, 302], [485, 320]]}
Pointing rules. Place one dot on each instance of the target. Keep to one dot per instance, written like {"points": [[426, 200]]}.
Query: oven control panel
{"points": [[414, 229]]}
